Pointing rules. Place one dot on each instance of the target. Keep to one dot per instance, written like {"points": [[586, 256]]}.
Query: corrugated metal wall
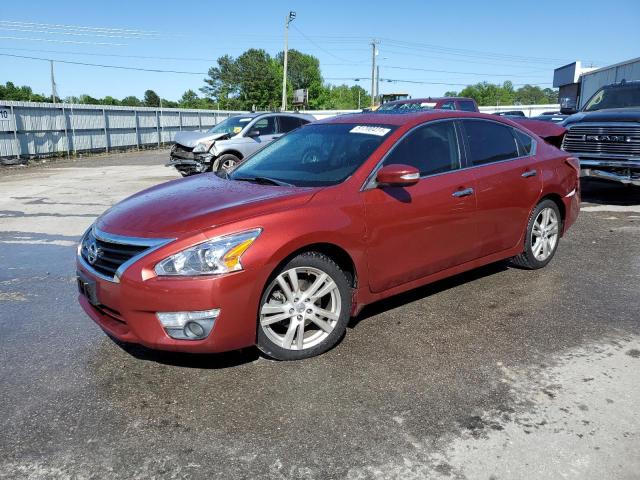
{"points": [[30, 129], [592, 81]]}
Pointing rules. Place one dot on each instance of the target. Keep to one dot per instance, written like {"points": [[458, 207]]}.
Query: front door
{"points": [[430, 226]]}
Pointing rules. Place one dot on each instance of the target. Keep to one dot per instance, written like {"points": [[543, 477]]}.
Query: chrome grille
{"points": [[108, 255], [615, 139]]}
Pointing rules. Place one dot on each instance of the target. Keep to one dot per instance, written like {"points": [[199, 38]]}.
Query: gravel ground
{"points": [[498, 373]]}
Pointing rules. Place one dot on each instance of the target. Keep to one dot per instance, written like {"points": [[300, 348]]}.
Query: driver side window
{"points": [[431, 148], [266, 126]]}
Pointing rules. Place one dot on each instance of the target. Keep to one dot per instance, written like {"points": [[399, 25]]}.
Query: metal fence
{"points": [[29, 129]]}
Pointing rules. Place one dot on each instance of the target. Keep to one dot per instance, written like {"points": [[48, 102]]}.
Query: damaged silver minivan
{"points": [[231, 140]]}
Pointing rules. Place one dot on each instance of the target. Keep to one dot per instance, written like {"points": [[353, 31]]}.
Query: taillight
{"points": [[574, 163]]}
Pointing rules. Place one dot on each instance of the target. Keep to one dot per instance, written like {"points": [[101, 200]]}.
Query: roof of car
{"points": [[378, 118], [427, 99]]}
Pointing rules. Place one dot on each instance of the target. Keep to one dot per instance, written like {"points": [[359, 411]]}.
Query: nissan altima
{"points": [[282, 250]]}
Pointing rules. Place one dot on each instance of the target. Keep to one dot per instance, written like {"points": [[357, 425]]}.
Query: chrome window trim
{"points": [[153, 244], [370, 184]]}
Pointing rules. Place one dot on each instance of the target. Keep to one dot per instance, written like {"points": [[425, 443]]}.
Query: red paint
{"points": [[398, 238]]}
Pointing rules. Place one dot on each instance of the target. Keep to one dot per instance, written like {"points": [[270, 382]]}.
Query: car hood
{"points": [[196, 203], [190, 139], [611, 115]]}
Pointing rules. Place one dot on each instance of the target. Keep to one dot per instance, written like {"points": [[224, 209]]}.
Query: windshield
{"points": [[617, 97], [314, 155], [231, 125], [408, 107]]}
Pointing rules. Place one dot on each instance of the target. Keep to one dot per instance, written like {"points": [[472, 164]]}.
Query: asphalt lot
{"points": [[499, 373]]}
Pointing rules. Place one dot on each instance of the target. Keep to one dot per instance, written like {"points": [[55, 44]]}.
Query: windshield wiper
{"points": [[263, 181]]}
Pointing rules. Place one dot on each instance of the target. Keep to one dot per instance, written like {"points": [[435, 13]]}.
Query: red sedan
{"points": [[331, 217]]}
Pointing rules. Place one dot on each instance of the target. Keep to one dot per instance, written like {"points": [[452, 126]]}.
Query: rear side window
{"points": [[525, 142], [467, 106], [432, 149], [448, 106], [288, 123], [489, 141]]}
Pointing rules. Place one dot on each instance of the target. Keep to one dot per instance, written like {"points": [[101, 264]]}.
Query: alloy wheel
{"points": [[544, 234], [301, 309]]}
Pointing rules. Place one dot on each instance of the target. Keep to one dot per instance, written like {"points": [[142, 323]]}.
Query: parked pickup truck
{"points": [[605, 134]]}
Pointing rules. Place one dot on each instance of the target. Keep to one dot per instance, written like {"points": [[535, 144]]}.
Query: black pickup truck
{"points": [[605, 134]]}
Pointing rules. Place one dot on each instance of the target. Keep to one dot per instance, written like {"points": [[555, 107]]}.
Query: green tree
{"points": [[131, 101], [151, 99], [190, 99], [303, 71], [251, 80], [108, 100], [9, 91]]}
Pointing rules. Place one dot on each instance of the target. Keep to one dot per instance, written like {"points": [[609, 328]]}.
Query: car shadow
{"points": [[419, 293], [602, 192], [206, 361]]}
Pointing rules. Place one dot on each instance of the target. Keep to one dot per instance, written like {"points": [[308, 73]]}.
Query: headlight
{"points": [[202, 147], [213, 257]]}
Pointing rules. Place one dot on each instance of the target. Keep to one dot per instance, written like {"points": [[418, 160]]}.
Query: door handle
{"points": [[530, 173], [463, 193]]}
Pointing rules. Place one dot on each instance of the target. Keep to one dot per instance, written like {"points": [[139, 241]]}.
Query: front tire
{"points": [[227, 162], [542, 236], [304, 309]]}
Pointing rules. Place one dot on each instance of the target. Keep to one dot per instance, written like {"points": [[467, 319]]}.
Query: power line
{"points": [[462, 73], [148, 57], [320, 47], [79, 27], [121, 67], [76, 34], [75, 42]]}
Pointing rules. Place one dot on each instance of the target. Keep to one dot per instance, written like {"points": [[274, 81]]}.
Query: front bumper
{"points": [[127, 310], [626, 171]]}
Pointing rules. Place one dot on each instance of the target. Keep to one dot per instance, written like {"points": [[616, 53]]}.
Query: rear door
{"points": [[507, 180], [427, 227]]}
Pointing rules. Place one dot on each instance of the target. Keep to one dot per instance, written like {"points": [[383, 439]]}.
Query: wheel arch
{"points": [[557, 199], [216, 160], [335, 252]]}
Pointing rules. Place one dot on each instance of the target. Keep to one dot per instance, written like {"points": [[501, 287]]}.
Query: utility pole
{"points": [[54, 92], [378, 81], [374, 44], [288, 19]]}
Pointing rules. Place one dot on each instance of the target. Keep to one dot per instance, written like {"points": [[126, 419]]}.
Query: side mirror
{"points": [[397, 175], [253, 133]]}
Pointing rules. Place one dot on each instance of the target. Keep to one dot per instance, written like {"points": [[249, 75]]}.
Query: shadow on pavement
{"points": [[602, 192], [208, 361], [428, 290]]}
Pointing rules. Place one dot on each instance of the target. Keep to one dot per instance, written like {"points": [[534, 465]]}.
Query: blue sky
{"points": [[426, 47]]}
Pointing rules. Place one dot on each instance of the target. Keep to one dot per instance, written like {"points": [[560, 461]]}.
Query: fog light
{"points": [[188, 325]]}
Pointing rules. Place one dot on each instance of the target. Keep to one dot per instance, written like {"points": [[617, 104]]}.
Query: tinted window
{"points": [[525, 143], [467, 106], [266, 126], [431, 149], [288, 123], [489, 141], [448, 106], [316, 155]]}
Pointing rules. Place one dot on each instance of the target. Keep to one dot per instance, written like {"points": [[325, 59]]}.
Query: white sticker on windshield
{"points": [[428, 104], [244, 120], [370, 130]]}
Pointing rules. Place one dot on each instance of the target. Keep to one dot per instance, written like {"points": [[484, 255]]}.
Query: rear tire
{"points": [[227, 162], [542, 236], [304, 309]]}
